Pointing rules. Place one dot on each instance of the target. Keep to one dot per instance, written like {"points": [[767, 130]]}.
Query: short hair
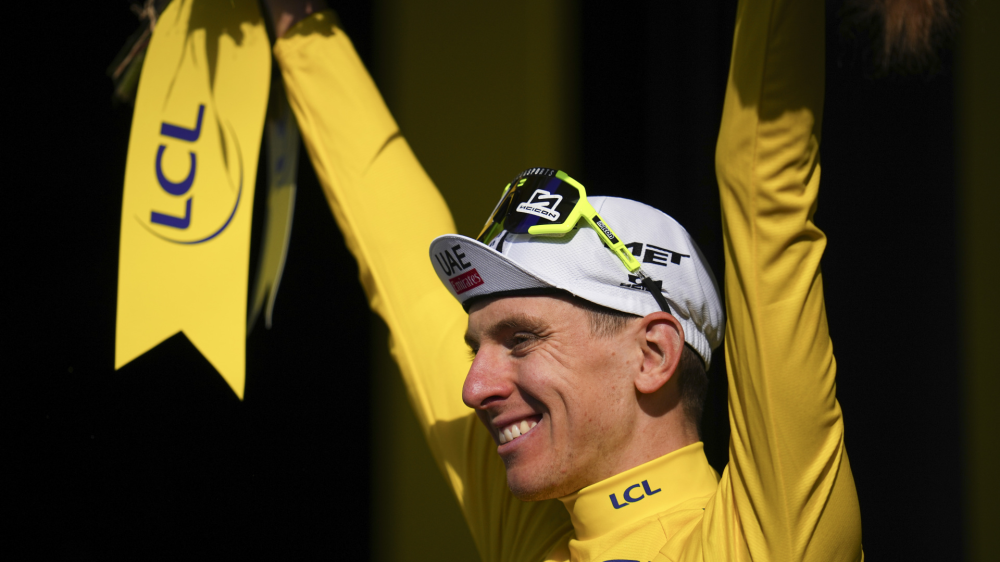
{"points": [[692, 381]]}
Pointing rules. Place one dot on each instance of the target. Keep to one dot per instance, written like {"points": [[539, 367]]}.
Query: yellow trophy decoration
{"points": [[189, 179]]}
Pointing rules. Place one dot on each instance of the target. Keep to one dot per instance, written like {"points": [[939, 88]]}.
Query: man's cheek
{"points": [[535, 377], [483, 417]]}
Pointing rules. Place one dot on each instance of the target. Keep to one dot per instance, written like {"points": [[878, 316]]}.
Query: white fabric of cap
{"points": [[580, 264]]}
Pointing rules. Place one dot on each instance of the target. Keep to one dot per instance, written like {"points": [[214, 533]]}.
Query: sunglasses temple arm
{"points": [[656, 289]]}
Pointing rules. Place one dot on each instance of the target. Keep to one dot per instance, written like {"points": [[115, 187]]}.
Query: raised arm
{"points": [[788, 492], [385, 205], [389, 211]]}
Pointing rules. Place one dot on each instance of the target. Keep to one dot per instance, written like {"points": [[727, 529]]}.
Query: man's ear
{"points": [[662, 340]]}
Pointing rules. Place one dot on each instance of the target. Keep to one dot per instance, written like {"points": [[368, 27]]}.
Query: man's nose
{"points": [[488, 381]]}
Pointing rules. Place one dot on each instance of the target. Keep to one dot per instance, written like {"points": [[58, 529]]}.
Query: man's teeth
{"points": [[515, 430]]}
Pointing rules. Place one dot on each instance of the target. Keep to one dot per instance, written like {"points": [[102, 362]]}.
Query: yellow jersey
{"points": [[787, 492]]}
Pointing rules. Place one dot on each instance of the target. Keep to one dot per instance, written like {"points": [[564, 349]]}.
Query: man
{"points": [[592, 320], [575, 393]]}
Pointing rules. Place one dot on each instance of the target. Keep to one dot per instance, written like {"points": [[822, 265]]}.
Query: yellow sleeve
{"points": [[389, 211], [788, 492]]}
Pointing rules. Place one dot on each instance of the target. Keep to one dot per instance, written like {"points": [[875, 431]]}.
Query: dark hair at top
{"points": [[899, 36]]}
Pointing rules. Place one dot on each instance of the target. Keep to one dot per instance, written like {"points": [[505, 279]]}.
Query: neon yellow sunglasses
{"points": [[547, 202]]}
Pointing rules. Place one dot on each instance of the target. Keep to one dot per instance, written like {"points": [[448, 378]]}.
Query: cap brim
{"points": [[471, 270]]}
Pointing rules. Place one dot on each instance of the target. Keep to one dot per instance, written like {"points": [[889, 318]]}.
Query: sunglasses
{"points": [[547, 202]]}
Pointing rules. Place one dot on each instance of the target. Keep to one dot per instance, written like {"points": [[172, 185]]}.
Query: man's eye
{"points": [[472, 353], [521, 340]]}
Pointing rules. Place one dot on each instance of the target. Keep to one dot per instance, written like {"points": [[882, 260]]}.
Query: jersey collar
{"points": [[640, 492]]}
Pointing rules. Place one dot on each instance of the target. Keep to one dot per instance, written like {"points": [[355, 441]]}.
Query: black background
{"points": [[160, 459]]}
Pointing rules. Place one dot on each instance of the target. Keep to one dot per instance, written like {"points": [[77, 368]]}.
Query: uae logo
{"points": [[542, 204]]}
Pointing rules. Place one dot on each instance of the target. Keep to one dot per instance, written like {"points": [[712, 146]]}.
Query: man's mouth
{"points": [[515, 430]]}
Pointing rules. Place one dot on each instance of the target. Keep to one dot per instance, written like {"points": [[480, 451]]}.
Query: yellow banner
{"points": [[189, 179], [282, 165]]}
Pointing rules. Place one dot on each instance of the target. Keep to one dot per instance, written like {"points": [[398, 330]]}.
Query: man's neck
{"points": [[624, 499], [652, 438]]}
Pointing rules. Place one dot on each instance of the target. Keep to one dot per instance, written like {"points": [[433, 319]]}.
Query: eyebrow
{"points": [[519, 322]]}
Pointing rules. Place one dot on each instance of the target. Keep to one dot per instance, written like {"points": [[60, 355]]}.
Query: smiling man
{"points": [[593, 321], [590, 353], [569, 407]]}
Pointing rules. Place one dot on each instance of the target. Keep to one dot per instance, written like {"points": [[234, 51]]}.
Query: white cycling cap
{"points": [[580, 264]]}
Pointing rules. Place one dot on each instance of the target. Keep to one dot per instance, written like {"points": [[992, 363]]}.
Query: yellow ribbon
{"points": [[189, 178]]}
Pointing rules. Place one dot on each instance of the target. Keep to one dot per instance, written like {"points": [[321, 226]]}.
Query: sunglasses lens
{"points": [[531, 201], [492, 226]]}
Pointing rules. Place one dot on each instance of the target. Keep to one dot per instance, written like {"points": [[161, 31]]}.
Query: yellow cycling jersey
{"points": [[787, 492]]}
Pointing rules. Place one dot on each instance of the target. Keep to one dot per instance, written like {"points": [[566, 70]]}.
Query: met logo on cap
{"points": [[538, 205]]}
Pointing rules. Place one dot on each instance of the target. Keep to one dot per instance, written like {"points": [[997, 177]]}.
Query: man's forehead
{"points": [[520, 312]]}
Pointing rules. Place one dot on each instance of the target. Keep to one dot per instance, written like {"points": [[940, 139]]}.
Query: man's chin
{"points": [[530, 493], [531, 488]]}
